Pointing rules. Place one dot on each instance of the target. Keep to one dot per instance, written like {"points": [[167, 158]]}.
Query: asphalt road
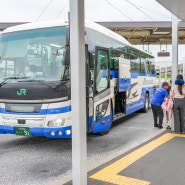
{"points": [[40, 161]]}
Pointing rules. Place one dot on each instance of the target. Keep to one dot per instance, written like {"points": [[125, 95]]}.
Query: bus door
{"points": [[89, 88], [124, 74], [102, 118]]}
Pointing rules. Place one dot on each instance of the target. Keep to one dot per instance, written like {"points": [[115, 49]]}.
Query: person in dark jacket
{"points": [[156, 103]]}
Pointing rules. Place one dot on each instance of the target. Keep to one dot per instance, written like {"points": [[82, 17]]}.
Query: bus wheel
{"points": [[146, 106]]}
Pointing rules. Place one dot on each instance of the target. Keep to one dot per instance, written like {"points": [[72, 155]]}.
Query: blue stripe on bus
{"points": [[124, 84], [42, 111], [134, 106], [39, 131], [139, 104], [59, 110], [135, 75], [114, 73]]}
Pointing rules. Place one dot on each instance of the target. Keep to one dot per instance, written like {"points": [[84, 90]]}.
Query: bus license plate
{"points": [[22, 131]]}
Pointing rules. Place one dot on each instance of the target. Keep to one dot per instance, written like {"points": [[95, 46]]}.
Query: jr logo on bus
{"points": [[21, 92]]}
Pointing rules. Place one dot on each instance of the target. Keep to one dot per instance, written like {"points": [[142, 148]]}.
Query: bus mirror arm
{"points": [[67, 56]]}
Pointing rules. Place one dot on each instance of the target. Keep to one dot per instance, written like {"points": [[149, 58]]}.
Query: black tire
{"points": [[146, 106]]}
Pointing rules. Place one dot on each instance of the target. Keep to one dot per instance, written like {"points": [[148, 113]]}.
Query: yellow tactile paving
{"points": [[110, 173]]}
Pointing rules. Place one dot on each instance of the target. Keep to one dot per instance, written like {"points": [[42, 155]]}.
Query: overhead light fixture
{"points": [[160, 33]]}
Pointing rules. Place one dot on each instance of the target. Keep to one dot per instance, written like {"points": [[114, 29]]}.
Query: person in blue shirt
{"points": [[156, 103]]}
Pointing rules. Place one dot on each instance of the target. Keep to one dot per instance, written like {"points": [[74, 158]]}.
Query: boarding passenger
{"points": [[169, 107], [156, 103], [178, 93]]}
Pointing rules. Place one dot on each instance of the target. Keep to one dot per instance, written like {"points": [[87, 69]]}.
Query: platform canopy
{"points": [[154, 32], [176, 7]]}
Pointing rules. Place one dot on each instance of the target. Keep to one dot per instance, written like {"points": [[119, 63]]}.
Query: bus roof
{"points": [[55, 23]]}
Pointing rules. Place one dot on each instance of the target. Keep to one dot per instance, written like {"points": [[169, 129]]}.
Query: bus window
{"points": [[91, 65], [152, 66], [143, 63], [116, 55], [134, 60], [134, 64], [111, 58], [91, 60], [102, 71], [148, 65], [34, 49]]}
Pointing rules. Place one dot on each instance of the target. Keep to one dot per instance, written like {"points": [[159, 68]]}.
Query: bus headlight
{"points": [[68, 132], [59, 132], [52, 133], [101, 109], [56, 123]]}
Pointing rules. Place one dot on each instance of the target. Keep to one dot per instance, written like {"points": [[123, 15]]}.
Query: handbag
{"points": [[167, 105]]}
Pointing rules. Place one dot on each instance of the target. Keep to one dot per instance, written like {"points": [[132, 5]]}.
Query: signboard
{"points": [[163, 54]]}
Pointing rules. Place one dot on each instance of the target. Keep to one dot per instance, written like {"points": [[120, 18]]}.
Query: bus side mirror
{"points": [[67, 56]]}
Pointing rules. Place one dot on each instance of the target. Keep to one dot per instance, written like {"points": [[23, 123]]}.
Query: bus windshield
{"points": [[37, 54]]}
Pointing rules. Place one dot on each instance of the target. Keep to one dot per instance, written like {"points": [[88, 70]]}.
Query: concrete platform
{"points": [[159, 161]]}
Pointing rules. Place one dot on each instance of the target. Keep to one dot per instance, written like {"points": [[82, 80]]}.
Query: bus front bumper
{"points": [[53, 132]]}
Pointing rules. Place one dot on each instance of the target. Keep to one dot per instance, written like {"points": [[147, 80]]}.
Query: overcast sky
{"points": [[95, 10]]}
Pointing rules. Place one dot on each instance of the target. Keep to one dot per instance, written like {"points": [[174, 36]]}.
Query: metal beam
{"points": [[174, 47], [135, 24], [78, 92], [153, 24], [141, 24]]}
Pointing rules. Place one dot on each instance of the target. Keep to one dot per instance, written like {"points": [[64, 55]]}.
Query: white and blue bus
{"points": [[35, 88]]}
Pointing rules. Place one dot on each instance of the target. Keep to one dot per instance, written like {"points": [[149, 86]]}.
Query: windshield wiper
{"points": [[16, 77], [12, 78], [40, 81], [55, 86]]}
